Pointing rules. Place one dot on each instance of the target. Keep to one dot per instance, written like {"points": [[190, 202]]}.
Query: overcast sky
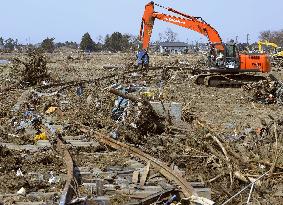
{"points": [[34, 20]]}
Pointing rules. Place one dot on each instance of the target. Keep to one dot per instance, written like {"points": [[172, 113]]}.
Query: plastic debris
{"points": [[170, 201], [53, 179], [51, 110], [119, 112], [120, 106], [22, 191], [114, 134], [22, 125], [19, 173], [80, 90], [40, 136]]}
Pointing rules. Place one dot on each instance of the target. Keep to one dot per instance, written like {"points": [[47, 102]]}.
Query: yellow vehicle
{"points": [[276, 55], [277, 52]]}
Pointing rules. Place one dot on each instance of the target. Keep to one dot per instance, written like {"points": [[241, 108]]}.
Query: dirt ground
{"points": [[226, 139]]}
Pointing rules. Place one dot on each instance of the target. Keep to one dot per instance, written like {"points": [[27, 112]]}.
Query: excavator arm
{"points": [[266, 43], [184, 20]]}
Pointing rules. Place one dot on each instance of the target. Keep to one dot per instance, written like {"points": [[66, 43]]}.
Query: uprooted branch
{"points": [[35, 69]]}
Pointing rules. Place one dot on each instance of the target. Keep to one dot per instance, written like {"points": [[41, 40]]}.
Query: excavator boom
{"points": [[184, 20]]}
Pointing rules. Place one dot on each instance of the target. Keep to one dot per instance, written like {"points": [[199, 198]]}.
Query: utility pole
{"points": [[237, 39], [248, 38]]}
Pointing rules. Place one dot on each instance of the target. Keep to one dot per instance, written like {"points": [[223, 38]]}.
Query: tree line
{"points": [[116, 42], [8, 44]]}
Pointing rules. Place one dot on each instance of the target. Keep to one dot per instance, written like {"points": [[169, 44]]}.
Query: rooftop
{"points": [[173, 44]]}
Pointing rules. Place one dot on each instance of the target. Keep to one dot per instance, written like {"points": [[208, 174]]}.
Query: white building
{"points": [[173, 47]]}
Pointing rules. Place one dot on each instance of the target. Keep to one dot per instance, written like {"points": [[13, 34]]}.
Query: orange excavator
{"points": [[226, 64]]}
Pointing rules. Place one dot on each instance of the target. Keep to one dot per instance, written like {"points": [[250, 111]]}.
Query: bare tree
{"points": [[272, 36], [168, 36], [161, 37]]}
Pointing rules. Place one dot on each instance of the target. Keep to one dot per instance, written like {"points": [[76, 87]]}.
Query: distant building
{"points": [[173, 47]]}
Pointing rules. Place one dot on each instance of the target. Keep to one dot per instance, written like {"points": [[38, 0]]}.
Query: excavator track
{"points": [[227, 80]]}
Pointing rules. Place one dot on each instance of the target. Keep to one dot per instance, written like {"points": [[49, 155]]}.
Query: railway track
{"points": [[170, 174], [86, 178]]}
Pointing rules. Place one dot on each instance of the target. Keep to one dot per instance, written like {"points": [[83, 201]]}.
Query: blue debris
{"points": [[173, 198], [80, 90]]}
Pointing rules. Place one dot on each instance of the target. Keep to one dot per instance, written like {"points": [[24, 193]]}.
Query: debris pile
{"points": [[35, 70], [141, 115], [223, 162], [277, 62], [26, 172], [124, 143], [266, 92]]}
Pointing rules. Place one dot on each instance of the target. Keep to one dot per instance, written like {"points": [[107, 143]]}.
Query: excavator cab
{"points": [[231, 56], [225, 58]]}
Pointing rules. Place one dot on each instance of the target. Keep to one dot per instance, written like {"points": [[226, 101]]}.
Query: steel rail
{"points": [[68, 191], [167, 172]]}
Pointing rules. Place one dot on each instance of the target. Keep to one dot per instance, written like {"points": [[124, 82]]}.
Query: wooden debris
{"points": [[144, 174], [135, 177]]}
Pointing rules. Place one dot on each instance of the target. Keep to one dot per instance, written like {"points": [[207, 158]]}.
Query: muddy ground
{"points": [[226, 139]]}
